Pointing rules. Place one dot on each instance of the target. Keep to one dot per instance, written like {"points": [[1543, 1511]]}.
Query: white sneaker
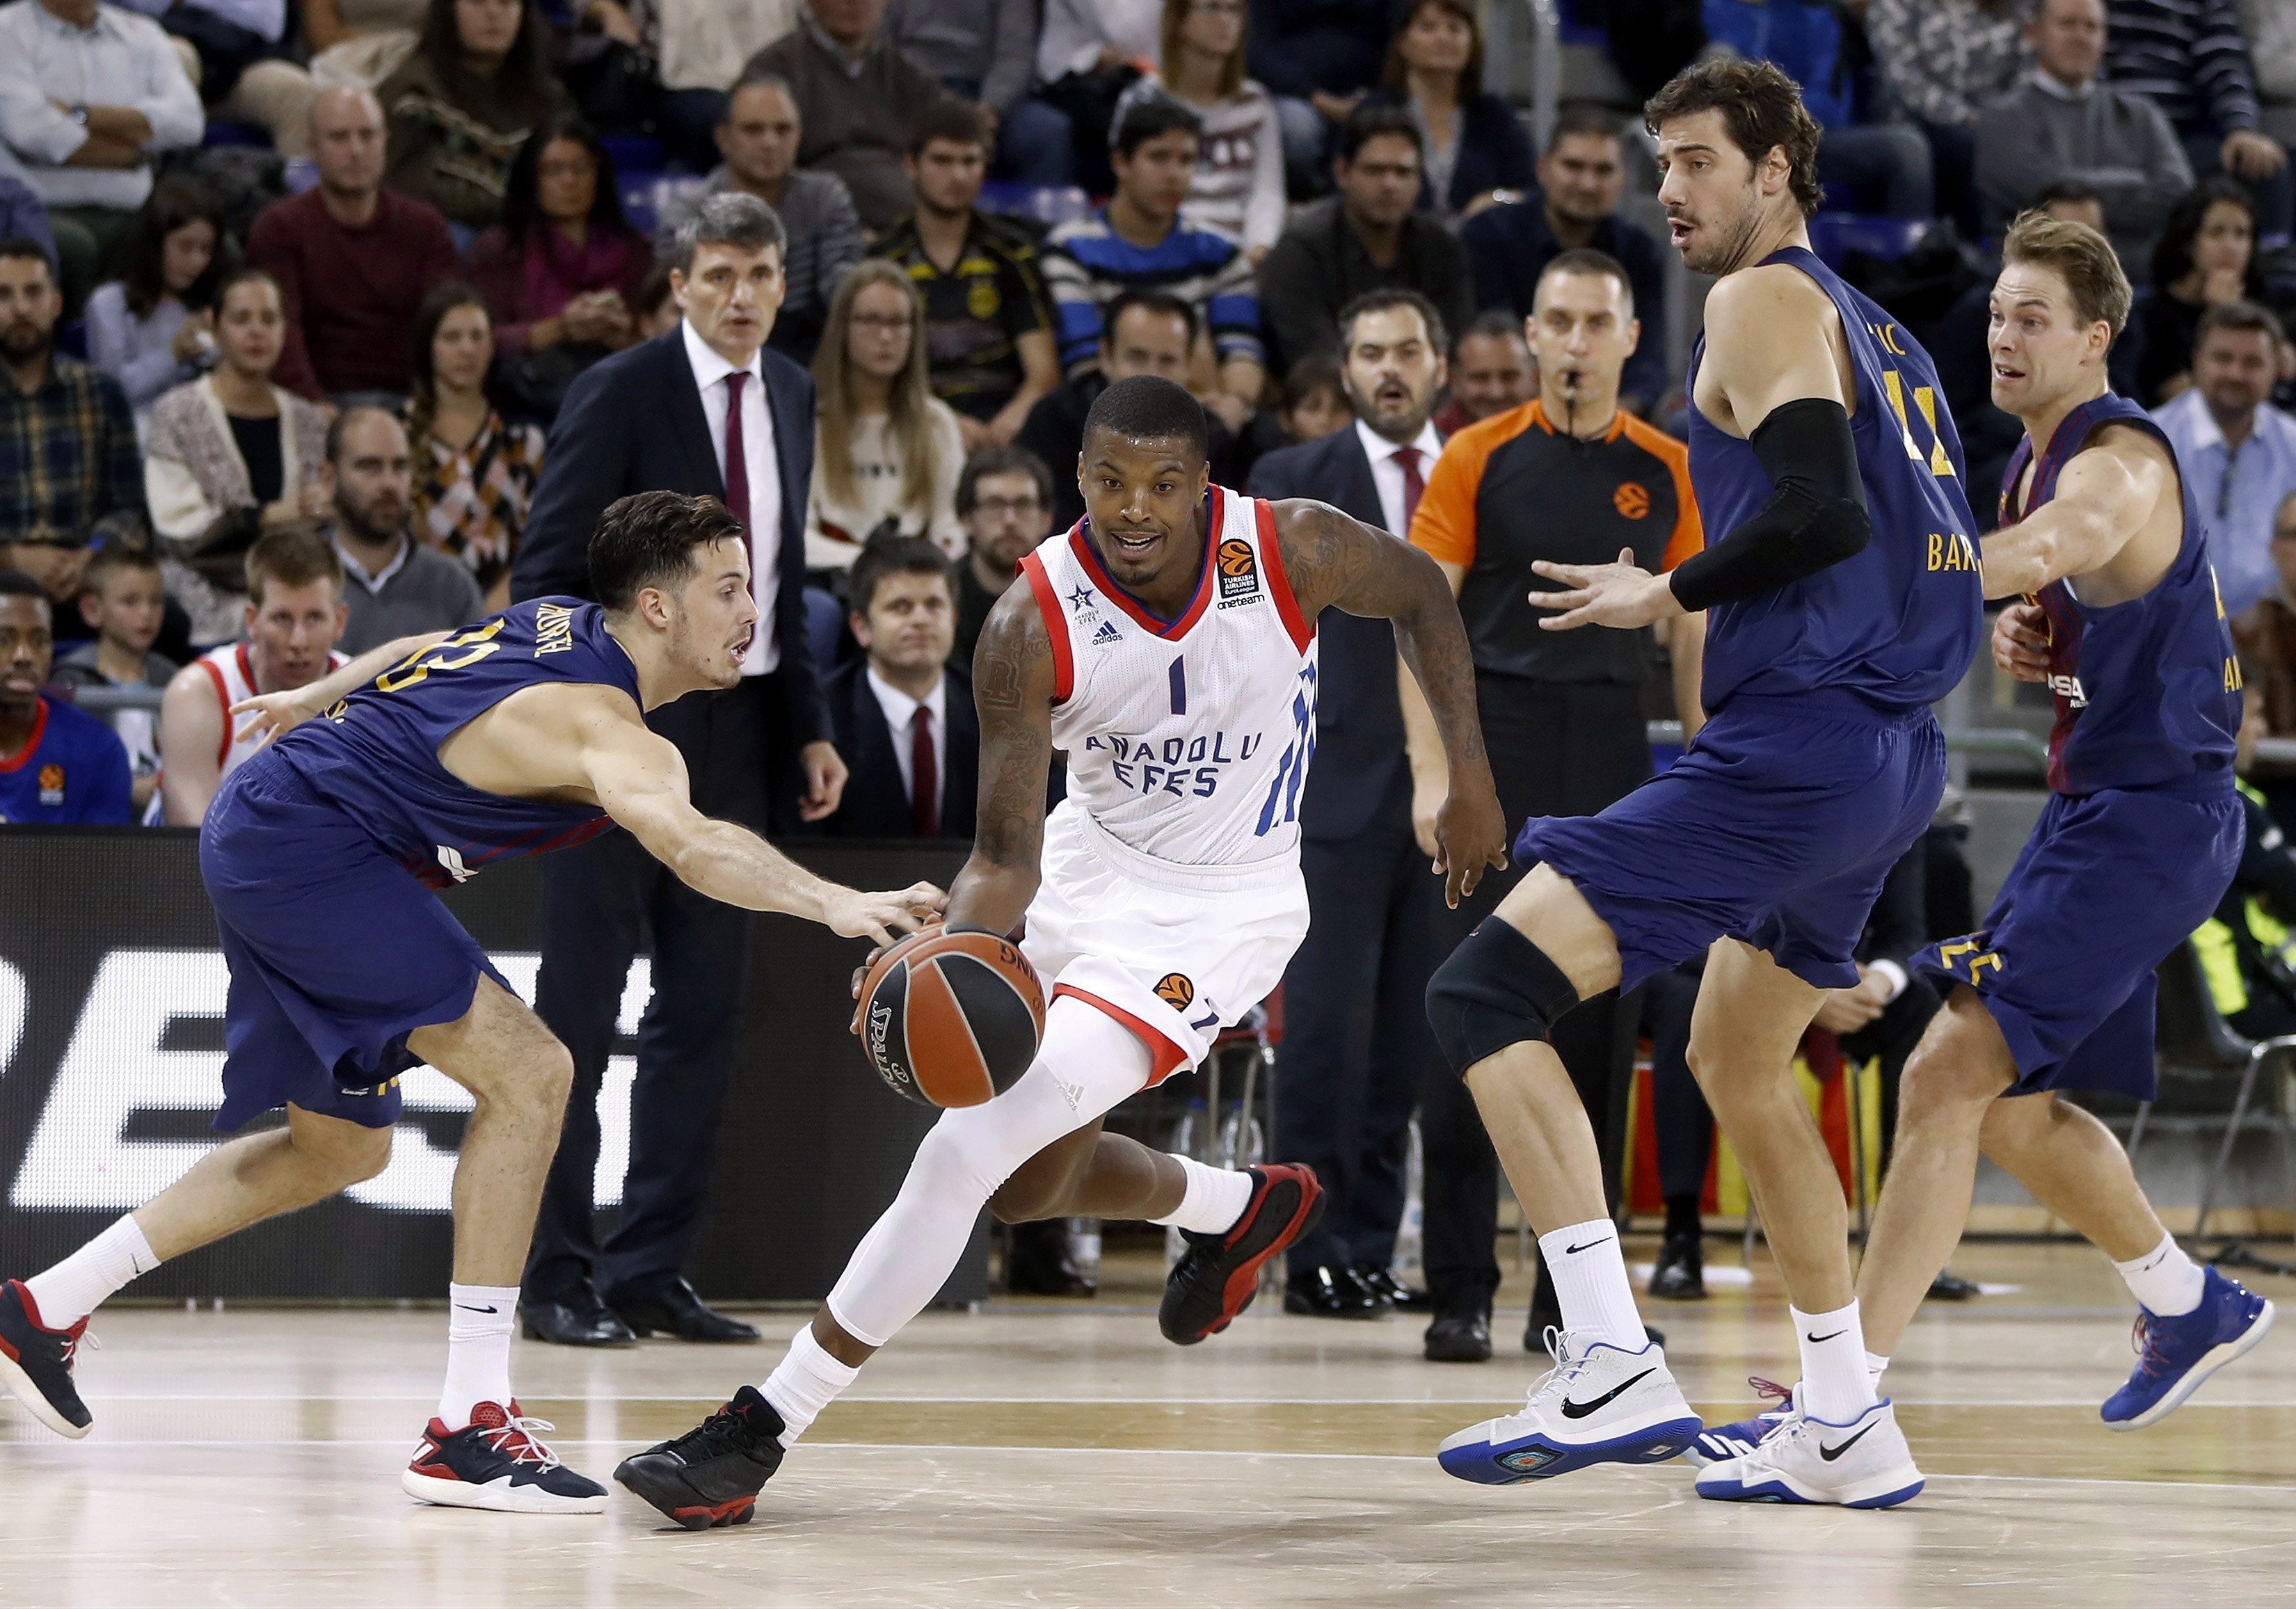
{"points": [[1863, 1464], [1599, 1404]]}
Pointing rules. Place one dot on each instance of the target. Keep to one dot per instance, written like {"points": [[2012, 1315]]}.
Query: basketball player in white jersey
{"points": [[1166, 647], [295, 617]]}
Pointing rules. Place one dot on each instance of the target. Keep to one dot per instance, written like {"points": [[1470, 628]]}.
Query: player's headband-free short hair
{"points": [[1148, 407], [1585, 259], [729, 218], [2078, 255], [648, 541], [1761, 108], [293, 555], [884, 556], [1000, 460], [1386, 299]]}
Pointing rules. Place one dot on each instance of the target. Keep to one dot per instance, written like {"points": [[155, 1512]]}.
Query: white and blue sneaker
{"points": [[2178, 1353], [1716, 1442], [1863, 1464], [1599, 1404]]}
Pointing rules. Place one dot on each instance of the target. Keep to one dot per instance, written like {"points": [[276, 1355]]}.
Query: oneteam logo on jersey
{"points": [[1239, 573]]}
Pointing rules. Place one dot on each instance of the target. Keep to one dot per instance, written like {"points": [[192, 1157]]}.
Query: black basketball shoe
{"points": [[711, 1475], [1217, 1276], [497, 1461], [36, 1363]]}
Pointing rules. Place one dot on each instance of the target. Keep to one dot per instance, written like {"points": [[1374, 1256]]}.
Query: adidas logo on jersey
{"points": [[1107, 633]]}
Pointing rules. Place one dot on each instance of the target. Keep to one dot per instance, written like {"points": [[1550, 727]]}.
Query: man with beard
{"points": [[395, 587], [1004, 497], [1492, 370]]}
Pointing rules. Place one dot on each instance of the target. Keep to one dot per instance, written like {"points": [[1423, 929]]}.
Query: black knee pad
{"points": [[1497, 989]]}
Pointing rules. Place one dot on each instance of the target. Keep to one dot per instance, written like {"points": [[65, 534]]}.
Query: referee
{"points": [[1572, 478]]}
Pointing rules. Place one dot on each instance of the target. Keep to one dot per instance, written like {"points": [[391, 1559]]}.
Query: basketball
{"points": [[951, 1018]]}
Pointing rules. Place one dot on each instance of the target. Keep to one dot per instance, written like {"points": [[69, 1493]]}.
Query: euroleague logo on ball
{"points": [[1175, 991]]}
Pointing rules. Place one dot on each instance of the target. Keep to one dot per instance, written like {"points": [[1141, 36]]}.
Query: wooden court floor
{"points": [[1063, 1454]]}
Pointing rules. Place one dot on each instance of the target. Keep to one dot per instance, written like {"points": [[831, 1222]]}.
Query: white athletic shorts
{"points": [[1174, 952]]}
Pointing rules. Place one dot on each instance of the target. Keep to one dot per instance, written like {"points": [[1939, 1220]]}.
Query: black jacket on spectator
{"points": [[876, 804], [1055, 432], [1300, 46], [1509, 247], [1320, 266], [1495, 149]]}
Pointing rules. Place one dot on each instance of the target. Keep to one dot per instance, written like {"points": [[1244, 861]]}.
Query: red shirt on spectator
{"points": [[352, 294]]}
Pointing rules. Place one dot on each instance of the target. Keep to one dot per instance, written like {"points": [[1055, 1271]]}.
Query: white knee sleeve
{"points": [[1087, 1064]]}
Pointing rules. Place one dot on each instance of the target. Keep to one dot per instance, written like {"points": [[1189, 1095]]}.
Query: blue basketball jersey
{"points": [[375, 755], [2148, 691], [1898, 624]]}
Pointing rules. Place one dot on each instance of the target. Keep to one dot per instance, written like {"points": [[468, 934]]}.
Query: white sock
{"points": [[2164, 1279], [1835, 1384], [1591, 1285], [479, 1320], [807, 1380], [1215, 1199], [76, 1287], [1875, 1364]]}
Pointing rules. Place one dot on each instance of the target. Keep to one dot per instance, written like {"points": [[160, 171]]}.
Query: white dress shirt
{"points": [[122, 59], [1387, 470], [2238, 493], [900, 710], [710, 373]]}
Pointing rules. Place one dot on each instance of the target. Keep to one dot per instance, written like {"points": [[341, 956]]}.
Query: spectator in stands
{"points": [[153, 329], [68, 452], [89, 94], [2271, 29], [2187, 57], [2234, 449], [393, 585], [984, 52], [1946, 62], [1088, 53], [988, 323], [1368, 237], [1004, 497], [238, 55], [353, 260], [1581, 178], [1140, 240], [474, 473], [699, 47], [231, 454], [857, 95], [658, 310], [1476, 152], [294, 617], [21, 213], [358, 43], [123, 600], [1314, 401], [760, 140], [1317, 58], [561, 271], [1873, 167], [903, 712], [1492, 370], [2062, 123], [2205, 257], [57, 763], [476, 84], [1239, 186], [890, 450]]}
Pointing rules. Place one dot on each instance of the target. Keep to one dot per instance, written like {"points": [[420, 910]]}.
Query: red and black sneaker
{"points": [[497, 1461], [711, 1475], [1217, 1276], [36, 1363]]}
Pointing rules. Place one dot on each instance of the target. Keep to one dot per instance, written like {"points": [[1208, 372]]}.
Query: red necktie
{"points": [[1412, 486], [737, 458], [924, 776]]}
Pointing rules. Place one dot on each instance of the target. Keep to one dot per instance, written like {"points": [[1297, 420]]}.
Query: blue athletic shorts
{"points": [[1776, 828], [2109, 884], [336, 953]]}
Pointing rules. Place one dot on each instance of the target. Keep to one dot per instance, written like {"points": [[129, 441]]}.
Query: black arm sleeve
{"points": [[1815, 517]]}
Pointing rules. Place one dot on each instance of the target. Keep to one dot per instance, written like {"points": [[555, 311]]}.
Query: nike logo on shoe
{"points": [[1830, 1453], [1818, 1340], [1580, 1410], [1571, 1251]]}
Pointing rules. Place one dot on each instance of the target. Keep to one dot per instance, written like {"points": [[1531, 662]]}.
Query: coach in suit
{"points": [[903, 715], [1356, 1039], [702, 410]]}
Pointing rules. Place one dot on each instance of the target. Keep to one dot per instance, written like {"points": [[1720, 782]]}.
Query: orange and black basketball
{"points": [[951, 1018]]}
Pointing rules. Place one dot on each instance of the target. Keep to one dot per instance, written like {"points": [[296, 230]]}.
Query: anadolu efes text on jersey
{"points": [[1187, 739]]}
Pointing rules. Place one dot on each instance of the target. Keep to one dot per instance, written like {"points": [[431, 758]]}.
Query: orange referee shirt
{"points": [[1512, 489]]}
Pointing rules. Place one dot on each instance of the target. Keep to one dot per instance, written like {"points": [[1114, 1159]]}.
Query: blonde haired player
{"points": [[1167, 646]]}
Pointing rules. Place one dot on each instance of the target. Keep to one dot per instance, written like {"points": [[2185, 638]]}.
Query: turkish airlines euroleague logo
{"points": [[1632, 499], [1239, 569], [1175, 991]]}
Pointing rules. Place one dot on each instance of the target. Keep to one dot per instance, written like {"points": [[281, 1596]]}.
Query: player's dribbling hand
{"points": [[1621, 594], [1470, 834], [850, 914], [2020, 641], [269, 716]]}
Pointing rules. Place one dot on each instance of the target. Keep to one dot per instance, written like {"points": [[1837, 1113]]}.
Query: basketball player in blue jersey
{"points": [[1841, 601], [2141, 834], [437, 757]]}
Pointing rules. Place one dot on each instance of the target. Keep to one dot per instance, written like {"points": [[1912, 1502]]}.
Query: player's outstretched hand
{"points": [[1470, 834], [269, 716], [2020, 641], [853, 914], [1621, 595]]}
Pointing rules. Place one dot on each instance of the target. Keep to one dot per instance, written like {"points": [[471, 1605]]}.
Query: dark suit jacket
{"points": [[1320, 266], [1360, 757], [633, 423], [875, 805]]}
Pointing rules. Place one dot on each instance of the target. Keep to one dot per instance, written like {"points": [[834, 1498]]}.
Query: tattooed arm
{"points": [[1013, 686], [1337, 562]]}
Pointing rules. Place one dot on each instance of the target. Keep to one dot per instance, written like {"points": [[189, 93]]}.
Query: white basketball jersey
{"points": [[233, 671], [1189, 739]]}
